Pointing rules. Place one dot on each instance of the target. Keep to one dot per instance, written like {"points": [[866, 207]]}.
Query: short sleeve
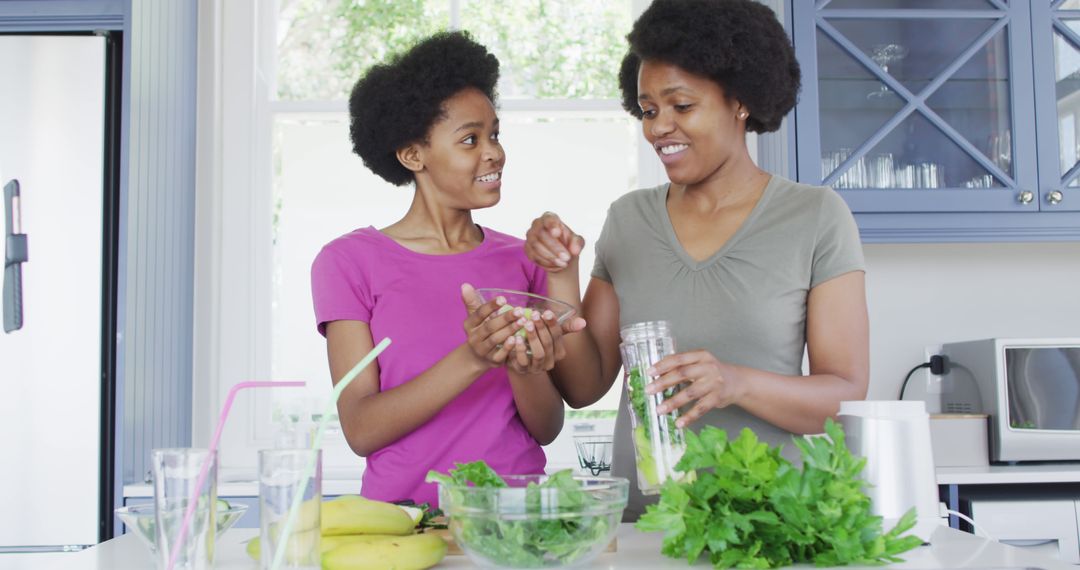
{"points": [[339, 289], [837, 249], [603, 249]]}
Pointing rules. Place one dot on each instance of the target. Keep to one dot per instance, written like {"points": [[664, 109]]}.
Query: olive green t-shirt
{"points": [[746, 304]]}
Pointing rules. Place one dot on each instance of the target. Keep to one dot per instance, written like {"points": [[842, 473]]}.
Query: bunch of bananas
{"points": [[358, 533]]}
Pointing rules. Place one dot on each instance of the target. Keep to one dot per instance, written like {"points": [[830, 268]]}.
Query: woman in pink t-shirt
{"points": [[456, 385]]}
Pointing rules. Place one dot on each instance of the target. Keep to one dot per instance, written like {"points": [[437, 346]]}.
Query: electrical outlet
{"points": [[933, 383]]}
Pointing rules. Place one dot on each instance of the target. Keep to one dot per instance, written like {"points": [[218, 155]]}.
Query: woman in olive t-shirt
{"points": [[749, 268]]}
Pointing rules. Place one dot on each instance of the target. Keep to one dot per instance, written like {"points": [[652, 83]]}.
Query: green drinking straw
{"points": [[294, 511]]}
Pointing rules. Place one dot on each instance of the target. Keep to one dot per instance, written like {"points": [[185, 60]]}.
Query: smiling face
{"points": [[694, 128], [460, 166]]}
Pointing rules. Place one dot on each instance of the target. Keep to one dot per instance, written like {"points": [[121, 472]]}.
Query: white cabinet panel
{"points": [[1046, 525], [52, 112]]}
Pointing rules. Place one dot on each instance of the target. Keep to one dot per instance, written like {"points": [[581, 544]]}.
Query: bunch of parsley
{"points": [[751, 508], [559, 521]]}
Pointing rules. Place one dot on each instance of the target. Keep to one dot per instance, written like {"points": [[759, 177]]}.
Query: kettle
{"points": [[894, 437]]}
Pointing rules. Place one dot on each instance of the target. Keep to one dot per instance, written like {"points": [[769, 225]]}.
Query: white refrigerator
{"points": [[52, 114]]}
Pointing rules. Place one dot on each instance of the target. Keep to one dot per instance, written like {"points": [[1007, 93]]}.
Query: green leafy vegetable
{"points": [[646, 463], [478, 473], [648, 470], [637, 393], [558, 522], [750, 508]]}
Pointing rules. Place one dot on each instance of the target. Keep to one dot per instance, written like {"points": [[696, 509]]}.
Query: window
{"points": [[294, 185]]}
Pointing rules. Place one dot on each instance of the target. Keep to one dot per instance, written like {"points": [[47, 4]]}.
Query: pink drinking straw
{"points": [[309, 470], [194, 499]]}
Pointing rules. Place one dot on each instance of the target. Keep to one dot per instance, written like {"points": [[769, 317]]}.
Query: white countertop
{"points": [[1007, 474], [948, 549]]}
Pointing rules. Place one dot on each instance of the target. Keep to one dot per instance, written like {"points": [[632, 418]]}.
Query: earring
{"points": [[744, 115]]}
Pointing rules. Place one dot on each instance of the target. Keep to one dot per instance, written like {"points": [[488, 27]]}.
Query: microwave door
{"points": [[1073, 358], [1043, 387]]}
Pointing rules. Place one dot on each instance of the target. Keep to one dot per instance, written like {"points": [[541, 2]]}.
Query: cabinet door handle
{"points": [[1025, 196], [1055, 197]]}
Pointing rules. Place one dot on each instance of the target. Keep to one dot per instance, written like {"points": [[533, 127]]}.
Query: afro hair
{"points": [[739, 44], [395, 103]]}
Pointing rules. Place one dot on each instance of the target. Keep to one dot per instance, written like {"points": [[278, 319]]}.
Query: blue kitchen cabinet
{"points": [[1057, 105], [943, 120]]}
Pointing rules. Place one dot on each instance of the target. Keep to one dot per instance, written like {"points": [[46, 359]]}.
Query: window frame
{"points": [[234, 205]]}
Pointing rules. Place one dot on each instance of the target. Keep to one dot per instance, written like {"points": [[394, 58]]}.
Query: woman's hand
{"points": [[551, 244], [490, 333], [541, 347], [703, 378]]}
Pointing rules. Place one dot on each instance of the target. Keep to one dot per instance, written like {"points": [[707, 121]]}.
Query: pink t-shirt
{"points": [[415, 299]]}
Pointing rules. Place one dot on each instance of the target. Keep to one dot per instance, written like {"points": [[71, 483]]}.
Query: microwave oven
{"points": [[1030, 388]]}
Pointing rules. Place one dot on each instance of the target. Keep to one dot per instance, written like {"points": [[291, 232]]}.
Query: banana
{"points": [[356, 522], [306, 518], [416, 514], [362, 551], [351, 514], [326, 543], [412, 552], [296, 552]]}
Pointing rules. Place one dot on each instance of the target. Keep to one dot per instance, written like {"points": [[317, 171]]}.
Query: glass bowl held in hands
{"points": [[534, 522], [139, 519], [529, 301]]}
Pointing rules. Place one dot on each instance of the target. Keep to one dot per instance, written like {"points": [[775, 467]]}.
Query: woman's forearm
{"points": [[581, 377], [539, 405], [379, 419], [798, 404]]}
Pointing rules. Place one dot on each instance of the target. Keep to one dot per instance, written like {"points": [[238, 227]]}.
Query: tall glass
{"points": [[658, 443], [281, 474], [176, 473]]}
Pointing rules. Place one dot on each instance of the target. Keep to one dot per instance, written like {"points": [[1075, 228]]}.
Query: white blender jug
{"points": [[894, 437]]}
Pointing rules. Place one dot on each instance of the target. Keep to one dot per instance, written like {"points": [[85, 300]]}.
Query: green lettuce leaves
{"points": [[750, 508], [557, 523]]}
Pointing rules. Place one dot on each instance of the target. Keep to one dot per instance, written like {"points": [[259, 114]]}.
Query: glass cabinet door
{"points": [[1056, 31], [916, 105]]}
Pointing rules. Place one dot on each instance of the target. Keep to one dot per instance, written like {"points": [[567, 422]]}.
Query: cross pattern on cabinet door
{"points": [[915, 100], [1067, 43], [956, 4]]}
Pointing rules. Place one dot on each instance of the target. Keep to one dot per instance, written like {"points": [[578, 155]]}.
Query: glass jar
{"points": [[658, 443]]}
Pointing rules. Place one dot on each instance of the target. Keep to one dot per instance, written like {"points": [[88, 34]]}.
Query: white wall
{"points": [[925, 294]]}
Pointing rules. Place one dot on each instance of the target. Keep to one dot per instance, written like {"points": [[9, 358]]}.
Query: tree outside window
{"points": [[549, 49]]}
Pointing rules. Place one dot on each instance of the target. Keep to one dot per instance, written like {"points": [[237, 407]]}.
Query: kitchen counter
{"points": [[949, 548], [1010, 474]]}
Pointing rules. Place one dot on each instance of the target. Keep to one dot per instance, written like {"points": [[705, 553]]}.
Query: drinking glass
{"points": [[176, 473], [281, 475]]}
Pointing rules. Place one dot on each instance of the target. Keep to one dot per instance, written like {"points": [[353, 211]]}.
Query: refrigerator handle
{"points": [[15, 254]]}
